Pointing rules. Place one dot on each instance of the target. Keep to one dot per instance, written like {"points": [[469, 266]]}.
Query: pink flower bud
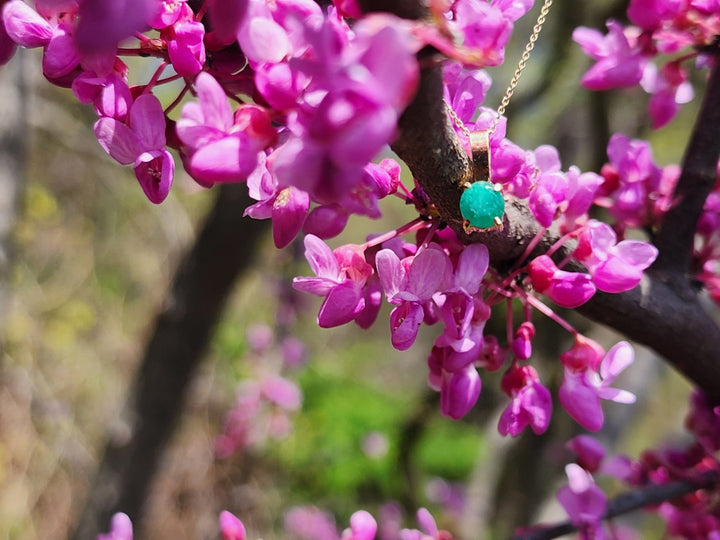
{"points": [[522, 344], [585, 353]]}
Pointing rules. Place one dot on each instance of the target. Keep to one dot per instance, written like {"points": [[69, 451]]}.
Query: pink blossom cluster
{"points": [[312, 524], [696, 515], [582, 499], [296, 102], [266, 401], [629, 55]]}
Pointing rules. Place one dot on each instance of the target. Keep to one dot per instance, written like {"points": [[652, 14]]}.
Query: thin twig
{"points": [[626, 503]]}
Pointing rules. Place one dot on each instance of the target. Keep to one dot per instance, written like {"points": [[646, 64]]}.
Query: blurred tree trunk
{"points": [[13, 159], [225, 247]]}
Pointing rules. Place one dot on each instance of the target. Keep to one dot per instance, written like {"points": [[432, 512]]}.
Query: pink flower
{"points": [[310, 522], [222, 147], [581, 390], [484, 27], [226, 16], [340, 278], [120, 528], [566, 289], [185, 47], [669, 88], [141, 142], [651, 14], [286, 206], [585, 353], [614, 267], [110, 94], [362, 526], [409, 284], [102, 24], [619, 60], [551, 187], [457, 304], [29, 29], [590, 453], [168, 12], [584, 502], [531, 402], [459, 391], [231, 528]]}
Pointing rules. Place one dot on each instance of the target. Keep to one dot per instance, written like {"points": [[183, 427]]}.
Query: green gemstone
{"points": [[480, 204]]}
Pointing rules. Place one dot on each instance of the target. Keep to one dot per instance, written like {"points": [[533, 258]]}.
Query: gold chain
{"points": [[522, 63], [515, 78]]}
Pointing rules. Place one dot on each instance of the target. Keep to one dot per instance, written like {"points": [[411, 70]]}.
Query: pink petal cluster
{"points": [[340, 279], [219, 145], [614, 266], [583, 387], [531, 403], [584, 502], [636, 192], [566, 289], [624, 56], [140, 142]]}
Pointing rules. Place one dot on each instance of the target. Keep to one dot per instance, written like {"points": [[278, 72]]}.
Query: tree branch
{"points": [[626, 503], [699, 175]]}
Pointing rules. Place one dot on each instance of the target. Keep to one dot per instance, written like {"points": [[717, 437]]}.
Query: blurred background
{"points": [[87, 266]]}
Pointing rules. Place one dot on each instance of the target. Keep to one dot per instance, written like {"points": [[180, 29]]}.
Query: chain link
{"points": [[522, 63], [515, 78]]}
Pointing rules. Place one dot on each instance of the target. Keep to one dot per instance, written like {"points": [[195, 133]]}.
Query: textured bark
{"points": [[224, 248]]}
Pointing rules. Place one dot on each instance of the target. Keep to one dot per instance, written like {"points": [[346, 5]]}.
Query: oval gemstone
{"points": [[480, 204]]}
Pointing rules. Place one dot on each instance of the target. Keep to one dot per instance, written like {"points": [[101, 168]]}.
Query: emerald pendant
{"points": [[482, 206]]}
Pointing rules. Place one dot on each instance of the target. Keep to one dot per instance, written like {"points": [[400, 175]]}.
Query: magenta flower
{"points": [[409, 284], [669, 88], [310, 522], [167, 12], [581, 390], [286, 206], [584, 502], [588, 451], [340, 278], [485, 28], [226, 16], [141, 143], [121, 528], [463, 327], [29, 29], [531, 403], [231, 528], [222, 147], [566, 289], [459, 391], [428, 528], [585, 353], [362, 526], [551, 186], [651, 14], [110, 95], [614, 267], [102, 24], [619, 60], [185, 46]]}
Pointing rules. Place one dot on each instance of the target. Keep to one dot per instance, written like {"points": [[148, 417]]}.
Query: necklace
{"points": [[482, 204]]}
